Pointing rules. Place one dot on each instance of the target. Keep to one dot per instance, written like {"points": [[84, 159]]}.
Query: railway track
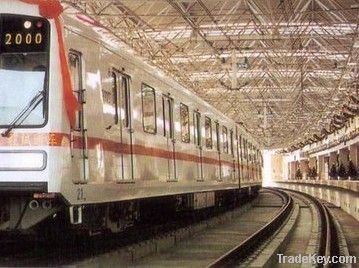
{"points": [[244, 250], [245, 237], [329, 237], [326, 243], [64, 248], [262, 244], [196, 246]]}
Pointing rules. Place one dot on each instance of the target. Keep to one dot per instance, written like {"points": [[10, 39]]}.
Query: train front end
{"points": [[27, 77]]}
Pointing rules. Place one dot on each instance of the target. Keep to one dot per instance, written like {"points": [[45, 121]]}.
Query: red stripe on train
{"points": [[63, 140]]}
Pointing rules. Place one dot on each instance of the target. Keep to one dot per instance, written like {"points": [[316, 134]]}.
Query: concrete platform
{"points": [[343, 194]]}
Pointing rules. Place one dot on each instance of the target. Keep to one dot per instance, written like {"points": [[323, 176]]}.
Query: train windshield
{"points": [[24, 64]]}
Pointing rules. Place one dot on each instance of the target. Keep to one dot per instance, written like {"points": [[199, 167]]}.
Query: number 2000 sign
{"points": [[21, 39]]}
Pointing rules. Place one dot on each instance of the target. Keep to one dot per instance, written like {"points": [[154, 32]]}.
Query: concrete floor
{"points": [[299, 239], [350, 227], [206, 247]]}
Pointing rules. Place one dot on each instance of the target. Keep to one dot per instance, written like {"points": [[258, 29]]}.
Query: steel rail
{"points": [[328, 244], [247, 247]]}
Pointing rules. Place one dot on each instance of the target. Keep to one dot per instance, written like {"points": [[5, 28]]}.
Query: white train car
{"points": [[139, 135]]}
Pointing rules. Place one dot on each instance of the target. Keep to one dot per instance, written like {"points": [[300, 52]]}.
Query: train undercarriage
{"points": [[33, 213]]}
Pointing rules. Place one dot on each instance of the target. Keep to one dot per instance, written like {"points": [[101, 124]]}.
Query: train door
{"points": [[198, 143], [79, 147], [121, 84], [168, 133]]}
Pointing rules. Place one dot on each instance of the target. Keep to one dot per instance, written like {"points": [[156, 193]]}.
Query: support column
{"points": [[292, 170], [354, 154], [304, 168], [321, 167], [344, 159], [333, 161], [354, 157], [326, 167], [313, 164]]}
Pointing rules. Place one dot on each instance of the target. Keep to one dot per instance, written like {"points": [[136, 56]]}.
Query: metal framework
{"points": [[282, 68]]}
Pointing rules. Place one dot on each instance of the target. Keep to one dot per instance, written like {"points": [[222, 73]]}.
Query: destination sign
{"points": [[21, 34]]}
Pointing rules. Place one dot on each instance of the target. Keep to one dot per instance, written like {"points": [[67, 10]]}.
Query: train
{"points": [[95, 136]]}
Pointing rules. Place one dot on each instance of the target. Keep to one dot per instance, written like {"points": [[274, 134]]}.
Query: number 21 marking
{"points": [[80, 194]]}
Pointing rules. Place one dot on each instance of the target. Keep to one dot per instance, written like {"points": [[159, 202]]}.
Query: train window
{"points": [[241, 147], [250, 152], [185, 126], [74, 62], [208, 132], [217, 137], [121, 98], [245, 149], [197, 128], [231, 141], [167, 105], [125, 100], [76, 79], [225, 139], [114, 98], [149, 109]]}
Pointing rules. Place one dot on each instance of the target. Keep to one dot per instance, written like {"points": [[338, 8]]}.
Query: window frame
{"points": [[79, 93], [188, 124], [225, 139], [197, 135], [115, 96], [170, 103], [143, 86], [123, 96], [127, 97], [250, 152], [241, 147], [231, 141], [218, 137], [245, 149], [210, 131]]}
